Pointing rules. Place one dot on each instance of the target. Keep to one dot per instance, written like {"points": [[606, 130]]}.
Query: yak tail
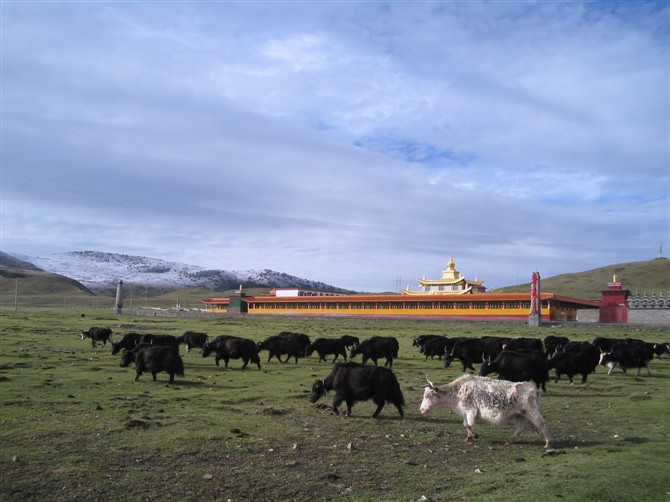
{"points": [[395, 392], [179, 366]]}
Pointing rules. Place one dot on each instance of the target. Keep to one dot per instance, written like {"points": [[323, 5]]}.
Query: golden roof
{"points": [[450, 277]]}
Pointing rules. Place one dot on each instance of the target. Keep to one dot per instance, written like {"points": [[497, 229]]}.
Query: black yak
{"points": [[233, 347], [359, 382], [154, 359]]}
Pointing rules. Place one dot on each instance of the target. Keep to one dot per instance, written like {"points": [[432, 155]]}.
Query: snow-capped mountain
{"points": [[101, 272]]}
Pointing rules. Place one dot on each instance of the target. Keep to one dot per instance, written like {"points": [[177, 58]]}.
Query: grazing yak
{"points": [[233, 347], [327, 346], [493, 401], [468, 350], [129, 341], [604, 344], [279, 345], [518, 367], [349, 341], [359, 382], [167, 340], [571, 364], [435, 346], [97, 335], [583, 347], [376, 347], [300, 339], [154, 359], [553, 343], [193, 339], [626, 355], [662, 350], [420, 341], [522, 343]]}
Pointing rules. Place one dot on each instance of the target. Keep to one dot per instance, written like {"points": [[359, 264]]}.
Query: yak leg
{"points": [[536, 418], [640, 369], [246, 361], [520, 422], [469, 424], [380, 404], [350, 403], [337, 400]]}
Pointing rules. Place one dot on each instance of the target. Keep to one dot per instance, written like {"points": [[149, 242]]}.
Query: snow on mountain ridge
{"points": [[101, 271]]}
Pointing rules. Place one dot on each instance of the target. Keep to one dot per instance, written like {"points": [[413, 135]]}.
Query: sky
{"points": [[360, 144]]}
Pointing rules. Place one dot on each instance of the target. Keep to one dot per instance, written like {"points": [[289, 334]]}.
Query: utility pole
{"points": [[16, 294], [118, 309]]}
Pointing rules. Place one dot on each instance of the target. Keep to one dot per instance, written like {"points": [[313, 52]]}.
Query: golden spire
{"points": [[451, 274]]}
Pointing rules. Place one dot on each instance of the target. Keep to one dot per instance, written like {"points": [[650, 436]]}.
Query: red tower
{"points": [[535, 316], [613, 308]]}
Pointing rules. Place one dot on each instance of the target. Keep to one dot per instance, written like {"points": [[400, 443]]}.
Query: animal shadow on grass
{"points": [[636, 440], [185, 383], [549, 395], [454, 420]]}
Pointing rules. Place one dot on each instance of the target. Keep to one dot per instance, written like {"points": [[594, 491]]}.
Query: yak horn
{"points": [[430, 384]]}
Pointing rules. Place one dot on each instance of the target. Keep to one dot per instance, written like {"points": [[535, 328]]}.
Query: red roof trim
{"points": [[476, 297]]}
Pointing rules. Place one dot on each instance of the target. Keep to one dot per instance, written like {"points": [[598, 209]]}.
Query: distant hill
{"points": [[100, 272], [96, 273], [34, 280], [652, 275]]}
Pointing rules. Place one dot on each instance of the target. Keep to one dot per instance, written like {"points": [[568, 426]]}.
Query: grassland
{"points": [[75, 426]]}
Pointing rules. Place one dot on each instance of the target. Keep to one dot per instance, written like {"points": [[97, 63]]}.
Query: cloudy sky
{"points": [[356, 143]]}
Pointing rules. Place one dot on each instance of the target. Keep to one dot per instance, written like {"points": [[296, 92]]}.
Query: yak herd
{"points": [[510, 398]]}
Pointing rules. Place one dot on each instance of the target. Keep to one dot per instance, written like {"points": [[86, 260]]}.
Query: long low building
{"points": [[482, 306], [451, 296]]}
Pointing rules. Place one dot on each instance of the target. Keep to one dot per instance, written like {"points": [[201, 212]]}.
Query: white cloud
{"points": [[348, 143]]}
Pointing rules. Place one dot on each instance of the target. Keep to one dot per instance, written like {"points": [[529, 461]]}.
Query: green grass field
{"points": [[75, 426]]}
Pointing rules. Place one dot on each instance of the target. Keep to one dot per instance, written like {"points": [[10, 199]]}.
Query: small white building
{"points": [[293, 292]]}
